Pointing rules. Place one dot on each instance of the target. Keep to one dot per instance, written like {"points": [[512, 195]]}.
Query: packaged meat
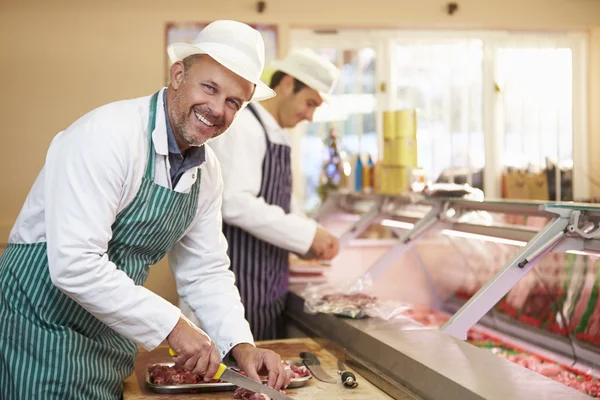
{"points": [[244, 394], [349, 302]]}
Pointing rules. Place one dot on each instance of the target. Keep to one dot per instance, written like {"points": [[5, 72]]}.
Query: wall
{"points": [[62, 58], [594, 111]]}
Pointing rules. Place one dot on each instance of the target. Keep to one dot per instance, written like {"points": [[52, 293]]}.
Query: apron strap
{"points": [[255, 113], [151, 125]]}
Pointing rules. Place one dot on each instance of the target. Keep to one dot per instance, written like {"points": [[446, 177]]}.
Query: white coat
{"points": [[241, 151], [96, 166]]}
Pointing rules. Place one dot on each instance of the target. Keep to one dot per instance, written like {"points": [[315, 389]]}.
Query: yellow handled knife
{"points": [[228, 375]]}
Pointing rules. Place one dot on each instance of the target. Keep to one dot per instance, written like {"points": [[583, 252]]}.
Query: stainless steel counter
{"points": [[427, 362]]}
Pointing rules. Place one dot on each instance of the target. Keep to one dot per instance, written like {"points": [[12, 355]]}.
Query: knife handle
{"points": [[222, 367], [348, 379], [309, 358]]}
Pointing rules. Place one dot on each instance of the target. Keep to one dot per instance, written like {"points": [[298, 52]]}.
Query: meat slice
{"points": [[299, 371], [171, 375], [244, 394]]}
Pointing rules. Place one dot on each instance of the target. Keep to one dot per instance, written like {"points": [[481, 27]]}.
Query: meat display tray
{"points": [[210, 387]]}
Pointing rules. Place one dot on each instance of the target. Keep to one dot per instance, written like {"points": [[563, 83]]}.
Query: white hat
{"points": [[311, 69], [235, 45]]}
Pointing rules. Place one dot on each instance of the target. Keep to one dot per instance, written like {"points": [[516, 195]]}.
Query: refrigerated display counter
{"points": [[497, 299]]}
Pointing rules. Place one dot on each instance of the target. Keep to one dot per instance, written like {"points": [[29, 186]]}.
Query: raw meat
{"points": [[171, 375], [358, 300], [426, 316], [560, 373], [244, 394], [586, 319], [299, 371], [584, 296]]}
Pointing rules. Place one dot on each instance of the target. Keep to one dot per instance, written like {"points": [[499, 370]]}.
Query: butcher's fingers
{"points": [[193, 348], [202, 365], [191, 362], [289, 375], [213, 365], [276, 372], [281, 377]]}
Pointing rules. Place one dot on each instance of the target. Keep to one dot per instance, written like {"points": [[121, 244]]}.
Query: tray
{"points": [[212, 387]]}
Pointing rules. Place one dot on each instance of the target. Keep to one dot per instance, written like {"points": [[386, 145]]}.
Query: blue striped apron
{"points": [[261, 269], [50, 346]]}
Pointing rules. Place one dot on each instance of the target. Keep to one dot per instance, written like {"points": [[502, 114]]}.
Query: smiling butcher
{"points": [[122, 186]]}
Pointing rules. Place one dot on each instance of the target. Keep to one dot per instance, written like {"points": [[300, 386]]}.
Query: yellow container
{"points": [[408, 151], [389, 125], [401, 152], [406, 123], [387, 152], [394, 180]]}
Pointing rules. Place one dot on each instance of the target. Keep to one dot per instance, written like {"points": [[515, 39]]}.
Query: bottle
{"points": [[368, 168], [371, 173], [358, 177]]}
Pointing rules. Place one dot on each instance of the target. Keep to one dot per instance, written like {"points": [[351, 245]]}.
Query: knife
{"points": [[228, 375], [314, 365], [348, 378]]}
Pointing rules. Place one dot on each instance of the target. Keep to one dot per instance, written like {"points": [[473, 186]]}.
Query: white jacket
{"points": [[241, 151], [96, 166]]}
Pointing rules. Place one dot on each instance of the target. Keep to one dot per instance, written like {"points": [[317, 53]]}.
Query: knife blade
{"points": [[348, 378], [242, 381], [228, 375], [311, 362]]}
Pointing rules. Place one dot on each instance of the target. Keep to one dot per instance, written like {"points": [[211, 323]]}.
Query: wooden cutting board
{"points": [[289, 349]]}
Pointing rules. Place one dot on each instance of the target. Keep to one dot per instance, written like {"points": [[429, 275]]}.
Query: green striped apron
{"points": [[50, 346]]}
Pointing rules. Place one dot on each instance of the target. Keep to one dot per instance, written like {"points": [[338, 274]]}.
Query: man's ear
{"points": [[286, 85], [177, 73]]}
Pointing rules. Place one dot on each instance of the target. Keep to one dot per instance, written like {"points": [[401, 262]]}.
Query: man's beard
{"points": [[180, 124]]}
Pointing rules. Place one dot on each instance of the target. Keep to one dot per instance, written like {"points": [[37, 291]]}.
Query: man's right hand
{"points": [[325, 246], [196, 352]]}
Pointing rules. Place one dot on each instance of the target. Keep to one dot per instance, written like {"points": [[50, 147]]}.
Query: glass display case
{"points": [[525, 272]]}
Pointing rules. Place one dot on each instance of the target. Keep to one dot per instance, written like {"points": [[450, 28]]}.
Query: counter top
{"points": [[289, 349], [430, 363]]}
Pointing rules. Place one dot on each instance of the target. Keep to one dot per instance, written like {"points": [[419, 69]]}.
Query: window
{"points": [[484, 100], [442, 79], [350, 112]]}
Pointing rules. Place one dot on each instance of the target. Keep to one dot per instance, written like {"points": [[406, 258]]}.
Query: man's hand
{"points": [[195, 350], [255, 362], [325, 246]]}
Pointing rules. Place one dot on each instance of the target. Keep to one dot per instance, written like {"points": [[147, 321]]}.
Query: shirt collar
{"points": [[266, 117]]}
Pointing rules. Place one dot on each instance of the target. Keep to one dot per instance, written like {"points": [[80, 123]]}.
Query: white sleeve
{"points": [[201, 267], [297, 207], [241, 151], [85, 171]]}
